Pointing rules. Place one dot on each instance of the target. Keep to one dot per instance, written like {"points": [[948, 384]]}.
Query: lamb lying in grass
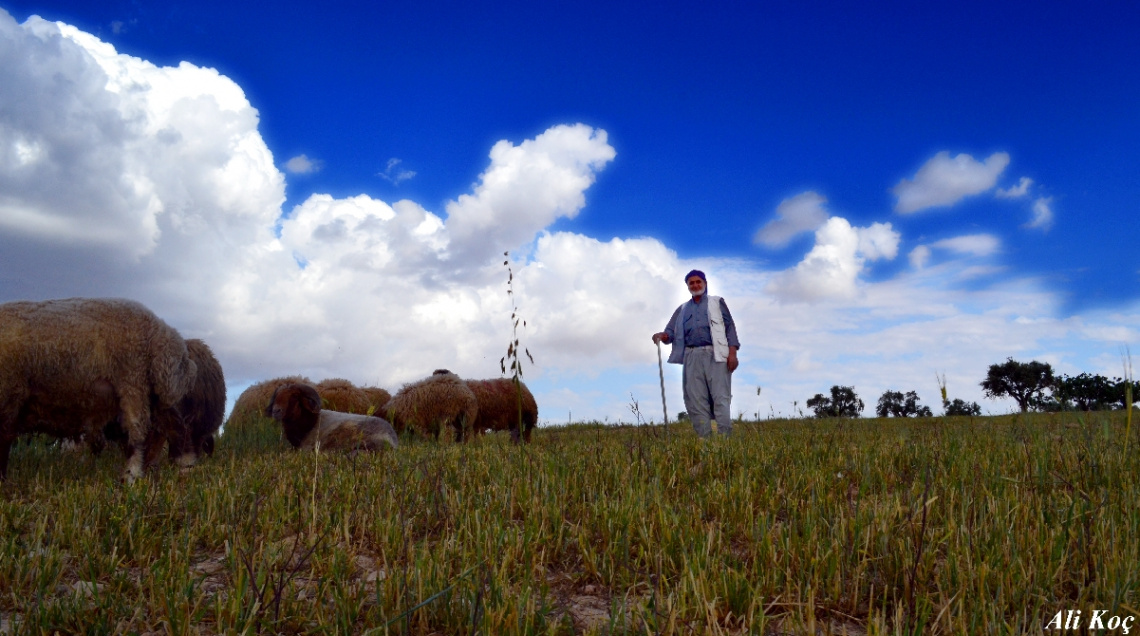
{"points": [[298, 408]]}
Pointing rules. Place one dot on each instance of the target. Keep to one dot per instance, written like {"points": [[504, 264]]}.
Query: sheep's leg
{"points": [[93, 431], [5, 446], [9, 415], [136, 420]]}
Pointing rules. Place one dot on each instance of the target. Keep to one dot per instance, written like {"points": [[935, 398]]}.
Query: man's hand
{"points": [[732, 361], [661, 337]]}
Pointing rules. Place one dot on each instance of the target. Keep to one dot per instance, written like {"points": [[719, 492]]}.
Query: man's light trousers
{"points": [[708, 391]]}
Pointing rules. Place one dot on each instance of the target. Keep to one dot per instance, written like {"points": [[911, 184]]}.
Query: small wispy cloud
{"points": [[1017, 191], [394, 173], [302, 164], [966, 245], [1042, 214], [944, 180], [971, 244], [804, 212]]}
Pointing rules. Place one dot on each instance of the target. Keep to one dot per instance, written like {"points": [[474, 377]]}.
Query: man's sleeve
{"points": [[672, 321], [729, 325]]}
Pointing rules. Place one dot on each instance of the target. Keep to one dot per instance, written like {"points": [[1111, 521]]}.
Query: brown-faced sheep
{"points": [[251, 403], [338, 394], [439, 400], [64, 352], [499, 407], [305, 423]]}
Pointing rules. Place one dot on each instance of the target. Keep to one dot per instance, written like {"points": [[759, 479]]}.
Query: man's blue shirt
{"points": [[696, 324]]}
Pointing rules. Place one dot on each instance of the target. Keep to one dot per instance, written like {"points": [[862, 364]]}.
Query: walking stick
{"points": [[661, 374]]}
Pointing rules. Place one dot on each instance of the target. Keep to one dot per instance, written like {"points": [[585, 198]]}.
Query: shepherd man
{"points": [[704, 341]]}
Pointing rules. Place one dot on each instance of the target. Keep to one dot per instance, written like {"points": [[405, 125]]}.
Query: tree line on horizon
{"points": [[1033, 385]]}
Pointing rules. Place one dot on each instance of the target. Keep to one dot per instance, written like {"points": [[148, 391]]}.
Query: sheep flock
{"points": [[94, 371]]}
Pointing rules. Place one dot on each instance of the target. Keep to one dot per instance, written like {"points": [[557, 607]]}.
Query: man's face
{"points": [[696, 286]]}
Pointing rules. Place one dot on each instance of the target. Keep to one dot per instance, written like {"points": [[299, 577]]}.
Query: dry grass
{"points": [[989, 525]]}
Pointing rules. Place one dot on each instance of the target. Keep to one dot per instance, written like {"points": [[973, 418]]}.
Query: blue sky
{"points": [[963, 175]]}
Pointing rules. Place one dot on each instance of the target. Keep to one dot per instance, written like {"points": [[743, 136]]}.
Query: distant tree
{"points": [[682, 416], [821, 405], [1084, 392], [1025, 382], [960, 407], [842, 403], [896, 404], [1087, 392], [1120, 391]]}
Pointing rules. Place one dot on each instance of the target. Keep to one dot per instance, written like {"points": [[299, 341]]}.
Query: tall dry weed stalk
{"points": [[513, 347]]}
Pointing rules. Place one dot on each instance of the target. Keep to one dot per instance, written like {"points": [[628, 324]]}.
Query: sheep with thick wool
{"points": [[188, 427], [499, 407], [79, 351], [440, 400], [339, 394], [84, 420], [298, 408]]}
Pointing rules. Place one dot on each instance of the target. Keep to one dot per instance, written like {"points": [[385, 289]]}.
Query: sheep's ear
{"points": [[311, 401]]}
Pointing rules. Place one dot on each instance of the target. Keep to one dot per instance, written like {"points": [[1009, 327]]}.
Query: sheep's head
{"points": [[297, 407]]}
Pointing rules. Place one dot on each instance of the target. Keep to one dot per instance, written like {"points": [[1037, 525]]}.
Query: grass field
{"points": [[934, 526]]}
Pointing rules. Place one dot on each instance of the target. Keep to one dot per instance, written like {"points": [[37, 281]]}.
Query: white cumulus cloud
{"points": [[944, 180], [130, 179], [526, 188], [122, 170], [830, 271]]}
